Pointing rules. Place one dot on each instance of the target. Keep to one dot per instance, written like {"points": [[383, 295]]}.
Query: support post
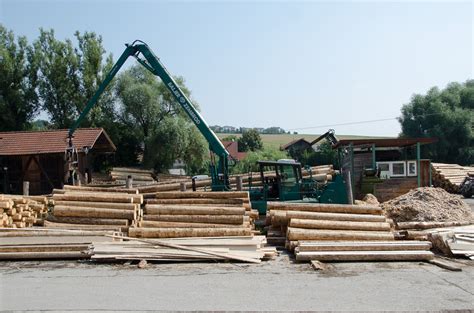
{"points": [[26, 188], [182, 187], [194, 184], [351, 176], [129, 182], [239, 183], [418, 164], [374, 164], [429, 171]]}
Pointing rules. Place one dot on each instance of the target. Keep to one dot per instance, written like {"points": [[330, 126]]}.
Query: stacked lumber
{"points": [[196, 214], [41, 243], [22, 211], [338, 232], [140, 176], [322, 173], [87, 208], [249, 249], [447, 238], [449, 176]]}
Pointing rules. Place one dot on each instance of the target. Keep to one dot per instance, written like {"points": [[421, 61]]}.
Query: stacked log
{"points": [[449, 176], [139, 176], [337, 232], [22, 211], [86, 209], [196, 214], [322, 173]]}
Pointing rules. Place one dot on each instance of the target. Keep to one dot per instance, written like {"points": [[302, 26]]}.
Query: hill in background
{"points": [[277, 140]]}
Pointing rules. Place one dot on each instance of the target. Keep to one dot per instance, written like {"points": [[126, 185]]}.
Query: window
{"points": [[398, 169], [412, 168]]}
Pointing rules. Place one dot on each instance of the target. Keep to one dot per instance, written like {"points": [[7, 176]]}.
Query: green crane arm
{"points": [[219, 174]]}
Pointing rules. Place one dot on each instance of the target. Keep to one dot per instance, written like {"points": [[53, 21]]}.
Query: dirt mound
{"points": [[428, 204]]}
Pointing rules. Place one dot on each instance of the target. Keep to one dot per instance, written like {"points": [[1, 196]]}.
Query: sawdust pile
{"points": [[428, 204]]}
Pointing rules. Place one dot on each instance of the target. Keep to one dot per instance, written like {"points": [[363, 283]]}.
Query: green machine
{"points": [[282, 180], [219, 169]]}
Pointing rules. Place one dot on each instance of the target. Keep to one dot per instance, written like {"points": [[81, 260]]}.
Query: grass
{"points": [[277, 140]]}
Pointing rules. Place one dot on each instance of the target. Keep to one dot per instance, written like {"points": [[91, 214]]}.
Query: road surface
{"points": [[276, 285]]}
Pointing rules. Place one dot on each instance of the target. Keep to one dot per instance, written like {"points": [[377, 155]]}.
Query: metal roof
{"points": [[53, 141], [386, 142]]}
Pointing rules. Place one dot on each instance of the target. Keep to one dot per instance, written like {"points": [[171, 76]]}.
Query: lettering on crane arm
{"points": [[184, 104]]}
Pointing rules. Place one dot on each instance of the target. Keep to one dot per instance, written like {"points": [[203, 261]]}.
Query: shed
{"points": [[296, 148], [233, 148], [39, 157], [396, 163]]}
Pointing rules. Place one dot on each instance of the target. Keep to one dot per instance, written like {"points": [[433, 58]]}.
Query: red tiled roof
{"points": [[233, 148], [52, 141]]}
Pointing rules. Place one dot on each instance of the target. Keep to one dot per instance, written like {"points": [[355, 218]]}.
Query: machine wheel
{"points": [[467, 194]]}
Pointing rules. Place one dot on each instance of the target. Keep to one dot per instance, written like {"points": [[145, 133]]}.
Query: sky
{"points": [[305, 66]]}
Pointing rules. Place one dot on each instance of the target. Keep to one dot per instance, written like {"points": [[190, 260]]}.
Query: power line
{"points": [[361, 122]]}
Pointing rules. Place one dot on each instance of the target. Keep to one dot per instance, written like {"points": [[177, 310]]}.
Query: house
{"points": [[39, 157], [233, 148], [296, 148], [386, 167]]}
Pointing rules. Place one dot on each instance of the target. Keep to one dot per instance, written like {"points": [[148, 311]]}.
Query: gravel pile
{"points": [[428, 204]]}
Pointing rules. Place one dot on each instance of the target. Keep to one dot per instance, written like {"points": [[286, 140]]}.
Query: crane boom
{"points": [[219, 173]]}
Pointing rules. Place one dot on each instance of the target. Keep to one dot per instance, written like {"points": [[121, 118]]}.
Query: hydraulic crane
{"points": [[219, 171]]}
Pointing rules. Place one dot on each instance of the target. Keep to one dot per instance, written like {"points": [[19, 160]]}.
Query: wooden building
{"points": [[39, 157], [386, 168], [296, 148]]}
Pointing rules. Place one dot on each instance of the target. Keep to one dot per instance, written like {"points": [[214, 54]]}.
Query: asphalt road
{"points": [[276, 285]]}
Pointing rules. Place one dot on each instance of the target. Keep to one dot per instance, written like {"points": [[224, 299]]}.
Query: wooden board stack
{"points": [[140, 176], [337, 232], [38, 243], [243, 249], [95, 208], [196, 214], [449, 176], [22, 211]]}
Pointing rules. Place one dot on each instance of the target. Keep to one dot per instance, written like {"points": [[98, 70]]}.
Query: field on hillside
{"points": [[277, 140]]}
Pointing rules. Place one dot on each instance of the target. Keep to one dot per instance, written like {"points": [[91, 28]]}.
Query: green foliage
{"points": [[150, 112], [69, 76], [324, 155], [447, 115], [250, 141], [249, 163], [18, 81]]}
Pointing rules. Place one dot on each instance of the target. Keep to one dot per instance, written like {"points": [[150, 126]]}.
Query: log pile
{"points": [[88, 208], [249, 249], [139, 176], [322, 173], [196, 214], [337, 232], [22, 211], [449, 176]]}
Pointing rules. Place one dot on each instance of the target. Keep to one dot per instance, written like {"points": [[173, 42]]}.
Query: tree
{"points": [[250, 141], [151, 112], [447, 115], [69, 76], [18, 81], [249, 163], [324, 155]]}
